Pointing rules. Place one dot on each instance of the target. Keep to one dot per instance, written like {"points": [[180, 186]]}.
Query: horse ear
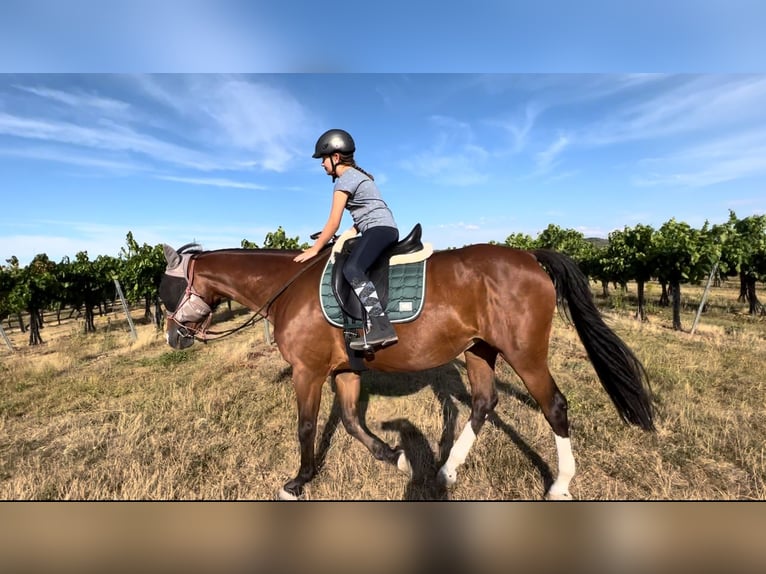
{"points": [[171, 256]]}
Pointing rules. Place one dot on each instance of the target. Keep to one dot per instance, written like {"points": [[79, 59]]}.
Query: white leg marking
{"points": [[284, 495], [560, 488], [403, 464], [457, 455]]}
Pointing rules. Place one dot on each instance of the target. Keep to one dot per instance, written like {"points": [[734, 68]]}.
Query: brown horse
{"points": [[481, 300]]}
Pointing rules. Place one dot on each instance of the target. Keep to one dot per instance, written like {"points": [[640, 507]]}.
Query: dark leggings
{"points": [[367, 249]]}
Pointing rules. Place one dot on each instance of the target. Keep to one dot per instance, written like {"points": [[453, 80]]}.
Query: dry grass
{"points": [[103, 417]]}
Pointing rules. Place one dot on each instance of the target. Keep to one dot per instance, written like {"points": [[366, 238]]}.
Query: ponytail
{"points": [[348, 159]]}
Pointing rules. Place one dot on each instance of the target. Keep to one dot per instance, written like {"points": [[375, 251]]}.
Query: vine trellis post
{"points": [[6, 339], [704, 298], [126, 309]]}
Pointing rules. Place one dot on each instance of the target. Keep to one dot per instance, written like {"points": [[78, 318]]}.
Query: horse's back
{"points": [[512, 270]]}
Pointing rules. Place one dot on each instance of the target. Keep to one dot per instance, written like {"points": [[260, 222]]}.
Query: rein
{"points": [[201, 333]]}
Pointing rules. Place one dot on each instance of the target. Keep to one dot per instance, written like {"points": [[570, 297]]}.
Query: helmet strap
{"points": [[333, 173]]}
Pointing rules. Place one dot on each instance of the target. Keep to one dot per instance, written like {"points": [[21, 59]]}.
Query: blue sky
{"points": [[477, 122], [473, 157]]}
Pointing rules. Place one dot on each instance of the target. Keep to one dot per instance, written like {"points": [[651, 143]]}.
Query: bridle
{"points": [[192, 308], [199, 309]]}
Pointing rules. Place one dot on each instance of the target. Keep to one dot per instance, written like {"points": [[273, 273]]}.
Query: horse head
{"points": [[188, 312]]}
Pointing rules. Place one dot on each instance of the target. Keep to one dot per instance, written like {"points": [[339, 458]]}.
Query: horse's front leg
{"points": [[308, 393], [347, 389]]}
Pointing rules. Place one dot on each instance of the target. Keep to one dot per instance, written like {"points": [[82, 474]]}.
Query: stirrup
{"points": [[354, 344], [362, 344]]}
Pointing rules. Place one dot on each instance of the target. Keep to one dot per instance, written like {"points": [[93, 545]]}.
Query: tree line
{"points": [[84, 287], [675, 254]]}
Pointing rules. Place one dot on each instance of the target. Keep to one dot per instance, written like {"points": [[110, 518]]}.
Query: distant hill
{"points": [[599, 242]]}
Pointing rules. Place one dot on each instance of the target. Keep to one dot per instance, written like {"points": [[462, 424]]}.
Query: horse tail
{"points": [[621, 373]]}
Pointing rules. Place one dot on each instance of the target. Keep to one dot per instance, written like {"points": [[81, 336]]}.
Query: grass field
{"points": [[102, 417]]}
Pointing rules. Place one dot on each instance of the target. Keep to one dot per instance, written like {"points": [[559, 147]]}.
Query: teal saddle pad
{"points": [[406, 293]]}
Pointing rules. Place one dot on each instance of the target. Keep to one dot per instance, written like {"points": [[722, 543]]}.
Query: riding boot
{"points": [[381, 332]]}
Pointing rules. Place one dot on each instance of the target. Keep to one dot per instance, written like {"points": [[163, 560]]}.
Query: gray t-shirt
{"points": [[365, 204]]}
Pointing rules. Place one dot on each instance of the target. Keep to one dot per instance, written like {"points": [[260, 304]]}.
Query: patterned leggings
{"points": [[368, 248]]}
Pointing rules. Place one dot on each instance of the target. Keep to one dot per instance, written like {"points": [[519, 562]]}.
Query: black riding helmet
{"points": [[334, 141]]}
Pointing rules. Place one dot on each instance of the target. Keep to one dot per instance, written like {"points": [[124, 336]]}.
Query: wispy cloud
{"points": [[725, 112], [460, 225], [713, 162], [215, 182], [73, 158], [105, 137], [520, 128], [599, 87], [546, 159], [77, 99], [460, 169], [454, 158], [693, 105], [216, 122], [252, 119]]}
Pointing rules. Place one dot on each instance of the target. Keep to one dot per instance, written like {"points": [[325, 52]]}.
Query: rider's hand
{"points": [[309, 253]]}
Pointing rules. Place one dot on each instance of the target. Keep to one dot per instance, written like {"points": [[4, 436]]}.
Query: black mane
{"points": [[190, 248]]}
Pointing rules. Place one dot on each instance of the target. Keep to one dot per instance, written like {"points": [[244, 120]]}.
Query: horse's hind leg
{"points": [[347, 390], [533, 370], [480, 364]]}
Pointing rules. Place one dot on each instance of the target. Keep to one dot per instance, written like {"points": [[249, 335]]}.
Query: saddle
{"points": [[409, 250]]}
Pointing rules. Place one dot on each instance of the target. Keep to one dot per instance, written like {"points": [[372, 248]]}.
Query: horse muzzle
{"points": [[192, 309], [179, 336]]}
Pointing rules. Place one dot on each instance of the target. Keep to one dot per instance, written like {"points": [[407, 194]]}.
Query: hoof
{"points": [[292, 490], [551, 495], [285, 495], [446, 477], [403, 464]]}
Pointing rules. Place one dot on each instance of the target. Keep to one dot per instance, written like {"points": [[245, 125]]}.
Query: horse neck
{"points": [[250, 277]]}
